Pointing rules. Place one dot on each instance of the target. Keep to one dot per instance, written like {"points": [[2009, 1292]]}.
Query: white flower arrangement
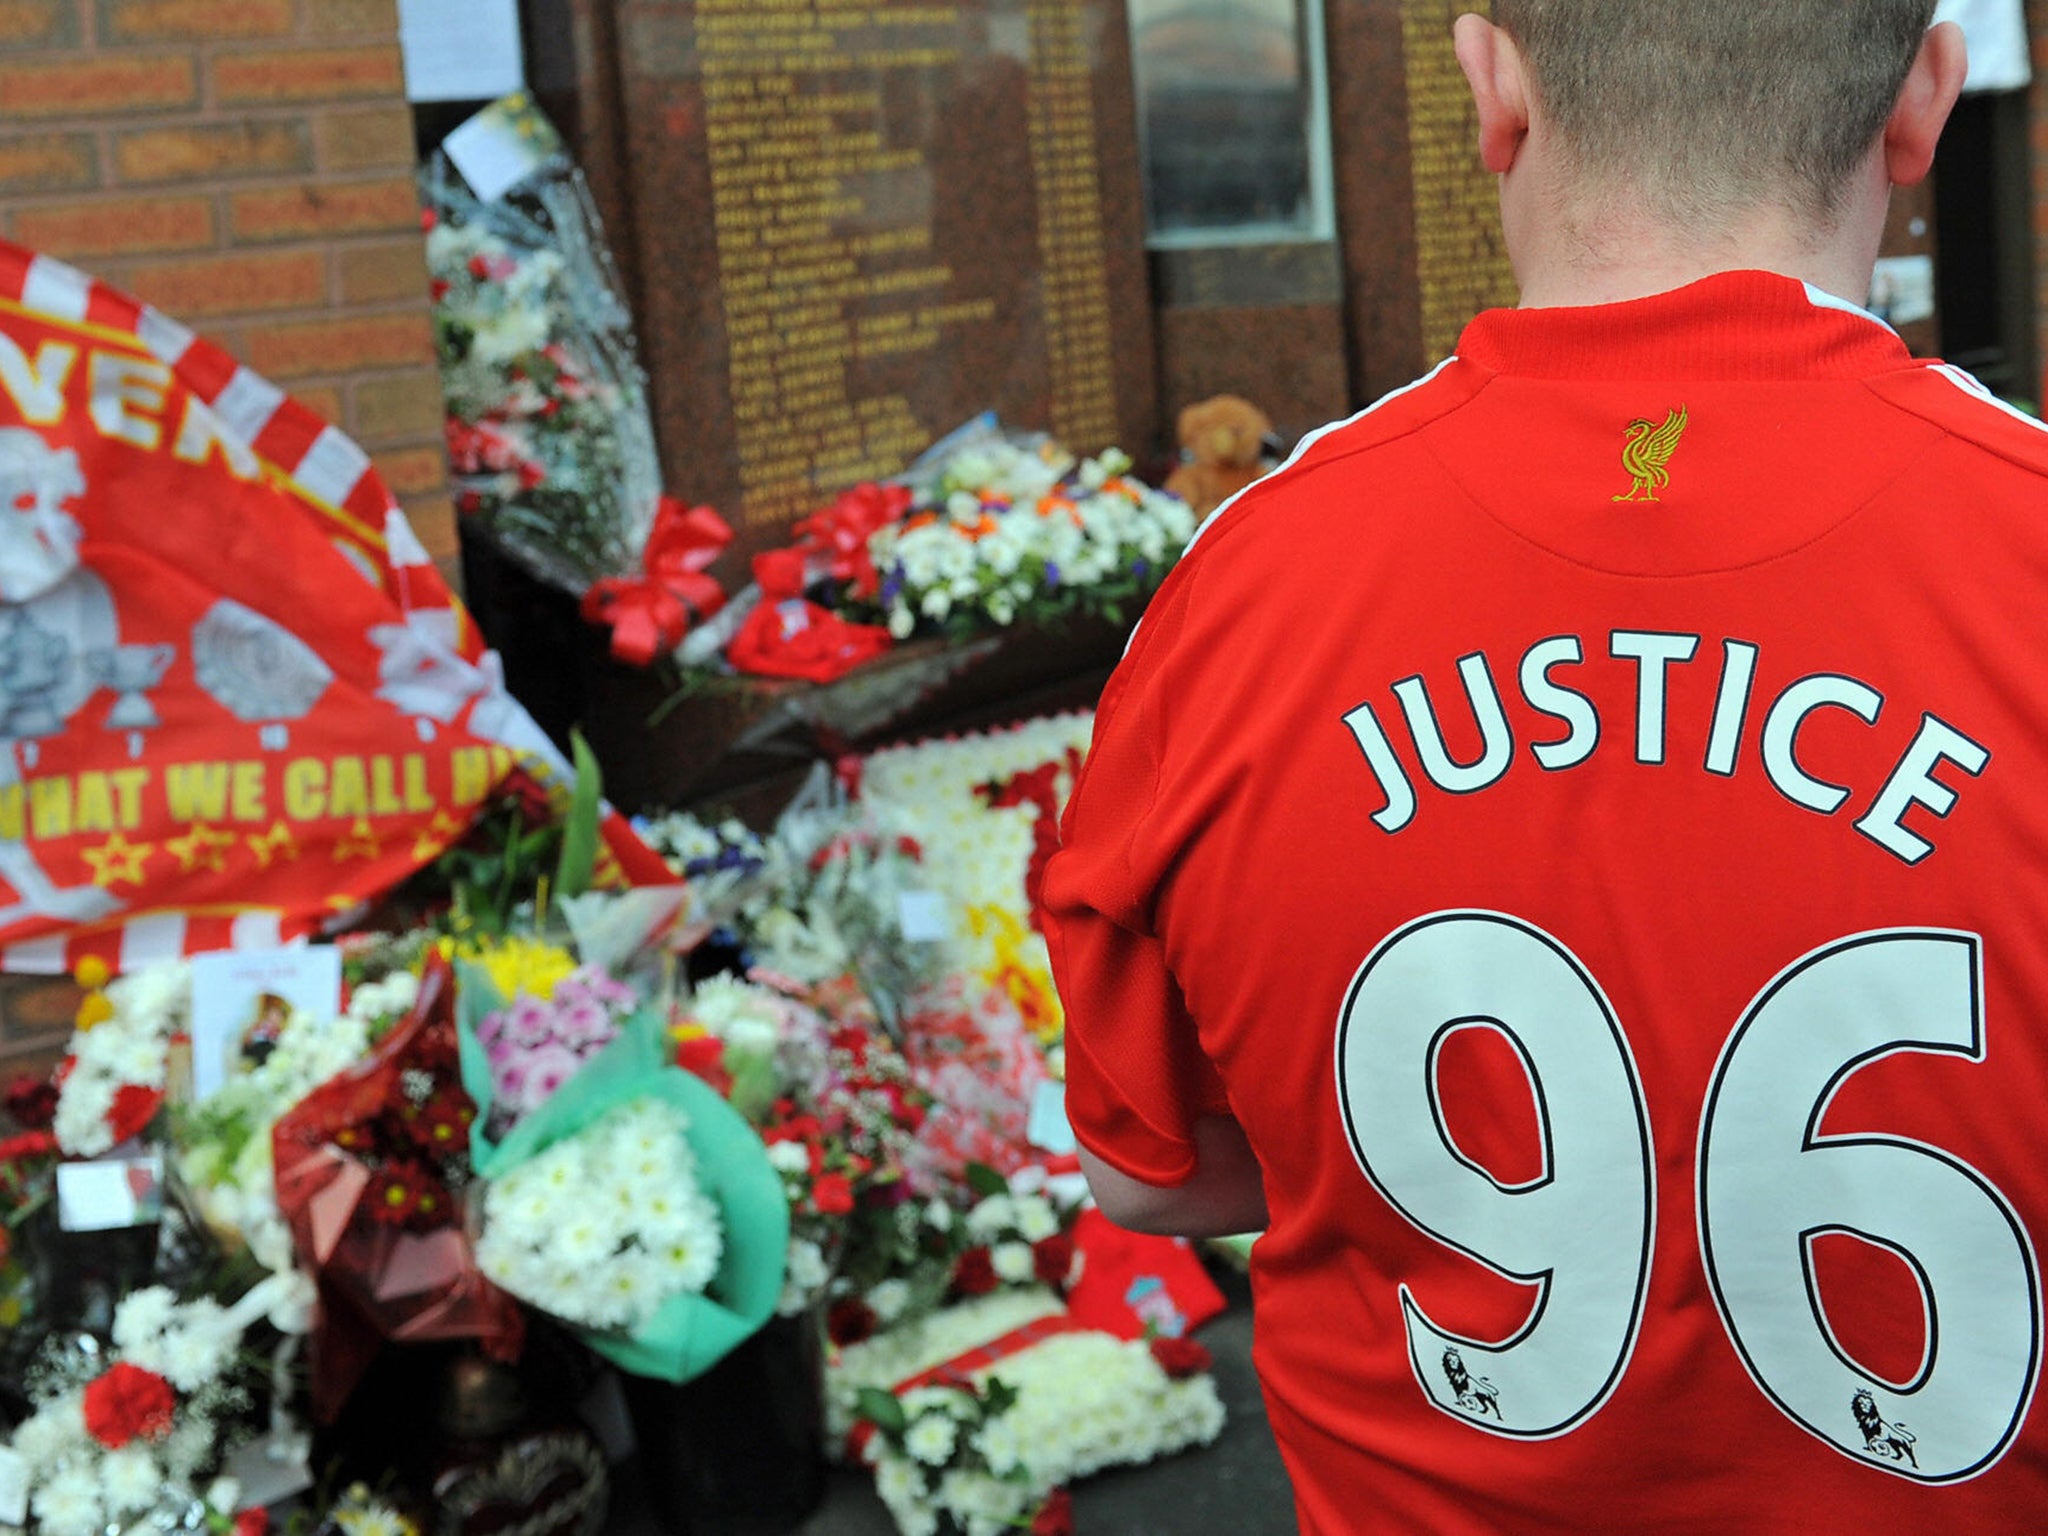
{"points": [[129, 1048], [1011, 529], [83, 1478], [606, 1226], [224, 1145], [977, 857], [1069, 1405]]}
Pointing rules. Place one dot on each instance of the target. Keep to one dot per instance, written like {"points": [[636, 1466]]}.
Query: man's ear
{"points": [[1926, 99], [1494, 69]]}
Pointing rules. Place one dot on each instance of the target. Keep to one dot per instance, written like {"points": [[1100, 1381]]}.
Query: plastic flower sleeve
{"points": [[690, 1333], [549, 432], [390, 1275]]}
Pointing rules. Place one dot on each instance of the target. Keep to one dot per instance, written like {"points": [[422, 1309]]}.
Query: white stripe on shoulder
{"points": [[1820, 298], [1300, 449], [1974, 387]]}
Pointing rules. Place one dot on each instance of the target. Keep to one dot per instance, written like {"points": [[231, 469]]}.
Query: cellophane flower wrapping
{"points": [[549, 433], [370, 1169], [690, 1331]]}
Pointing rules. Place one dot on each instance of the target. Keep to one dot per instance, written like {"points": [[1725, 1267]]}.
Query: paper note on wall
{"points": [[460, 50]]}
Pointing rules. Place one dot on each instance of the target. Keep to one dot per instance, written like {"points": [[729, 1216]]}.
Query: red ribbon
{"points": [[651, 613], [957, 1371], [789, 636], [840, 533]]}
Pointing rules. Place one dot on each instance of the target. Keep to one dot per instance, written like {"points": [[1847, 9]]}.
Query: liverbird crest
{"points": [[1647, 454]]}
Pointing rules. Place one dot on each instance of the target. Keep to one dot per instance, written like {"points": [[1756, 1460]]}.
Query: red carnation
{"points": [[851, 1321], [975, 1273], [32, 1102], [125, 1403], [1052, 1259], [29, 1144], [833, 1194], [134, 1107], [1181, 1357], [704, 1056], [253, 1522], [1055, 1516]]}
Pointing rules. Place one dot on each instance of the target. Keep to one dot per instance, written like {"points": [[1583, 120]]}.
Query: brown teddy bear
{"points": [[1223, 450]]}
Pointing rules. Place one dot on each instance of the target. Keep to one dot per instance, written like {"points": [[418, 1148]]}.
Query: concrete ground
{"points": [[1236, 1485]]}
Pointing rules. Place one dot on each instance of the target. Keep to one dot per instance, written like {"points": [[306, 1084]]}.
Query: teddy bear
{"points": [[1223, 450]]}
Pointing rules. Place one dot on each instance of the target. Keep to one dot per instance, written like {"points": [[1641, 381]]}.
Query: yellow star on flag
{"points": [[118, 861], [361, 842], [277, 843], [435, 836], [202, 845]]}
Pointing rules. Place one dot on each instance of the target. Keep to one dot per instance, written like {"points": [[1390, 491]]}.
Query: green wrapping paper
{"points": [[692, 1333]]}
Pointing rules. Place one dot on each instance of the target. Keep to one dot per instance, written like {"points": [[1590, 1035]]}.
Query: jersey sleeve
{"points": [[1137, 1078]]}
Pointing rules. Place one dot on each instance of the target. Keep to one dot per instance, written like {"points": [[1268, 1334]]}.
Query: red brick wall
{"points": [[245, 165]]}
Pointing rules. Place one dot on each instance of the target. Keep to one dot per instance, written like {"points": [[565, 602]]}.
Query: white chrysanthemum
{"points": [[54, 1431], [1012, 1262], [932, 1438], [196, 1353], [1036, 1220], [81, 1124], [890, 1299], [160, 993], [789, 1158], [142, 1317], [69, 1504], [991, 1217], [130, 1479]]}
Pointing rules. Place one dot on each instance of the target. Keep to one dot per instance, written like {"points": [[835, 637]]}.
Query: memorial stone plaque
{"points": [[859, 223], [1461, 257]]}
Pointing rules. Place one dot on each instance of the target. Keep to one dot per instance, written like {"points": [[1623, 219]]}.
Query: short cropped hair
{"points": [[1704, 106]]}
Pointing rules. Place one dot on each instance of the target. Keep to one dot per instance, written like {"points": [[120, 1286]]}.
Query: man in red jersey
{"points": [[1568, 855]]}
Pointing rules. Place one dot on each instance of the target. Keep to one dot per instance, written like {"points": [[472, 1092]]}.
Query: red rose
{"points": [[125, 1403], [975, 1273], [1181, 1357], [1055, 1516], [32, 1102], [833, 1194], [253, 1522], [850, 1321], [1052, 1259]]}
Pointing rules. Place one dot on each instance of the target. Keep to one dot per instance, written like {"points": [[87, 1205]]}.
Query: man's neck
{"points": [[1609, 258]]}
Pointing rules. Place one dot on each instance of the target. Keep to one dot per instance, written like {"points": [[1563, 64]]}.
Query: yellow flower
{"points": [[524, 967], [92, 973], [94, 1009]]}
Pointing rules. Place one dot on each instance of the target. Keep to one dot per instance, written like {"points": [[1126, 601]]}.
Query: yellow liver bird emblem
{"points": [[1647, 454]]}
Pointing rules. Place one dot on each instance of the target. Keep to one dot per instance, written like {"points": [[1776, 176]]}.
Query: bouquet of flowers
{"points": [[549, 433], [141, 1427], [608, 1225], [112, 1084], [224, 1145], [987, 529], [979, 1413], [370, 1171], [834, 1103], [634, 1202], [537, 1042], [1008, 529]]}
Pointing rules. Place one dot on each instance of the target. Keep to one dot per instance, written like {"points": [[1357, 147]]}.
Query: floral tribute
{"points": [[547, 421], [988, 530], [606, 1226]]}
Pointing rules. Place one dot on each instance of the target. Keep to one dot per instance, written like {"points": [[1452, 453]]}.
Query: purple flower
{"points": [[1052, 575]]}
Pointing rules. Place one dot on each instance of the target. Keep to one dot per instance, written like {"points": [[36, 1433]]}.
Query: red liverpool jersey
{"points": [[1587, 819]]}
